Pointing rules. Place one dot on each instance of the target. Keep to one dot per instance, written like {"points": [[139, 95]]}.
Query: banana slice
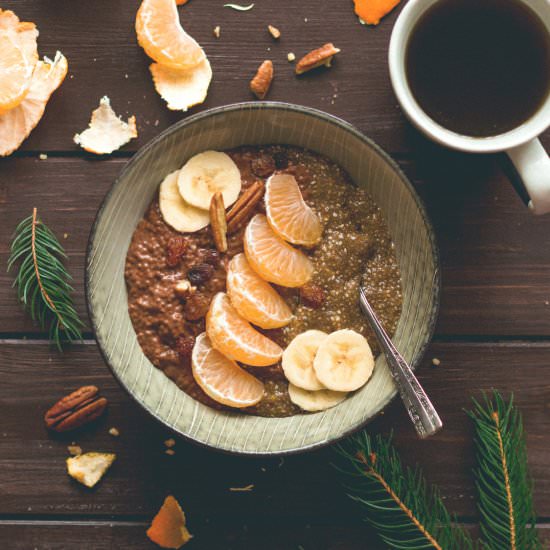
{"points": [[298, 360], [315, 400], [207, 173], [344, 361], [175, 211]]}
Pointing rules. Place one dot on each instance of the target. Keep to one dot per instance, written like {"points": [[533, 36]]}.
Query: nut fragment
{"points": [[316, 58], [114, 432], [260, 84], [218, 223], [184, 288], [274, 31], [217, 31], [245, 206], [75, 410], [291, 57], [74, 450]]}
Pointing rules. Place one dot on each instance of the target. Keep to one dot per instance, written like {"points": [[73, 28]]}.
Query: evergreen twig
{"points": [[397, 501], [42, 280], [508, 519]]}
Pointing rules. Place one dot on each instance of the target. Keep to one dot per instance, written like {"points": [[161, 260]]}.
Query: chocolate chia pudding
{"points": [[171, 277]]}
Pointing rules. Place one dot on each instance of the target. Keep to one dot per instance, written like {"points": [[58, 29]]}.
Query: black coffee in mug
{"points": [[479, 67]]}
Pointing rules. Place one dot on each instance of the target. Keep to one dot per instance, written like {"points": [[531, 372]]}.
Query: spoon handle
{"points": [[418, 405]]}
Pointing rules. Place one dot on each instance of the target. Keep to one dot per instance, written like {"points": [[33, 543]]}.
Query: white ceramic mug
{"points": [[524, 149]]}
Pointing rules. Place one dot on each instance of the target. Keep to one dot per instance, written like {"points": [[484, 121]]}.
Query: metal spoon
{"points": [[420, 408]]}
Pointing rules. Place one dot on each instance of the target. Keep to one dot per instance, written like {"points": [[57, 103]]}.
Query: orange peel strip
{"points": [[17, 123], [107, 132], [372, 11], [168, 528], [182, 89]]}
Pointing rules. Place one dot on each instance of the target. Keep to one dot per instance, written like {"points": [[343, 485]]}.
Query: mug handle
{"points": [[532, 164]]}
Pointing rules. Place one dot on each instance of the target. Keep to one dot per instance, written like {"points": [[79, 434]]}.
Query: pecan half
{"points": [[218, 222], [261, 82], [316, 58], [245, 205], [75, 410]]}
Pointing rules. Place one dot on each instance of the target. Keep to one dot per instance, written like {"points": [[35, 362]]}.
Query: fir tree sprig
{"points": [[505, 489], [42, 280], [407, 514]]}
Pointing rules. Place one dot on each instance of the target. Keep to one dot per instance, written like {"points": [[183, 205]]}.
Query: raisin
{"points": [[200, 273], [196, 307], [175, 250], [263, 165], [210, 256], [312, 296], [184, 345]]}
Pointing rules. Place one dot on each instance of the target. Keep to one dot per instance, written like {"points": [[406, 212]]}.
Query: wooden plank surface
{"points": [[495, 255], [493, 330], [33, 479], [98, 39], [130, 536]]}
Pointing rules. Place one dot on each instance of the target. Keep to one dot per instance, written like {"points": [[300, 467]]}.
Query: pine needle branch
{"points": [[42, 280], [396, 499], [505, 489]]}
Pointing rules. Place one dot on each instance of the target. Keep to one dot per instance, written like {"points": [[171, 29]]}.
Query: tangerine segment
{"points": [[17, 123], [253, 298], [168, 528], [15, 73], [235, 337], [221, 378], [272, 258], [162, 37], [287, 212]]}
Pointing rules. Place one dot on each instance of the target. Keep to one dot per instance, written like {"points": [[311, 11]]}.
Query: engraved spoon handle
{"points": [[418, 405]]}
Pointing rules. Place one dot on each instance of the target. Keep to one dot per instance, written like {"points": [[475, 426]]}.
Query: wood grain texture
{"points": [[234, 536], [34, 482], [98, 39], [496, 280], [495, 255]]}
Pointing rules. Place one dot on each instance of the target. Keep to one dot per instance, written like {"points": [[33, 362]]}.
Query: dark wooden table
{"points": [[493, 331]]}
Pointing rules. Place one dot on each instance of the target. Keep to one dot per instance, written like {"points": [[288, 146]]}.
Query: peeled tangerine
{"points": [[235, 337], [17, 123], [182, 73], [287, 212], [221, 378], [255, 299], [272, 258], [19, 55], [162, 37], [106, 132], [168, 528]]}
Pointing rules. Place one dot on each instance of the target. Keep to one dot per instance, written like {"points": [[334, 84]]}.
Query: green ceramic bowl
{"points": [[224, 128]]}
